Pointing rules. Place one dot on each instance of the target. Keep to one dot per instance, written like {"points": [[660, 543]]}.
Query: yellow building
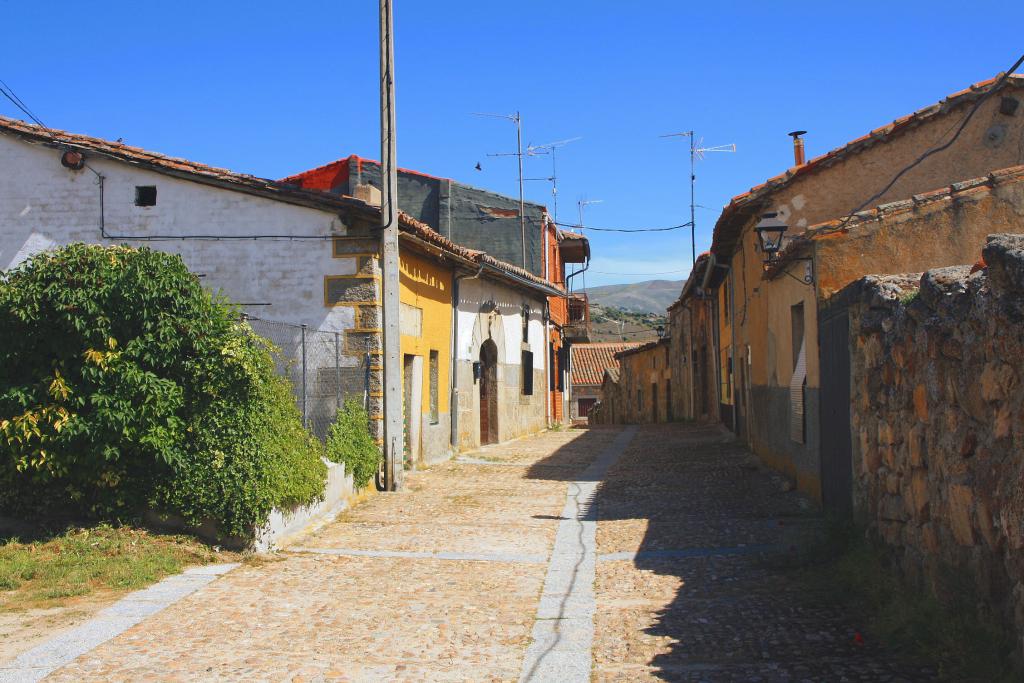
{"points": [[425, 322]]}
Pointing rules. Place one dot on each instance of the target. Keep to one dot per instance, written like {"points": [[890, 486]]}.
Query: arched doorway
{"points": [[488, 392]]}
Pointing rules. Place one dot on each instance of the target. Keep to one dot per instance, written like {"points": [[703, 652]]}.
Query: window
{"points": [[434, 373], [552, 368], [640, 400], [584, 405], [145, 195], [796, 315], [526, 322], [527, 383], [798, 382]]}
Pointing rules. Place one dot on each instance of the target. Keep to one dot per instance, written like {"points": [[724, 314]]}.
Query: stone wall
{"points": [[938, 421], [645, 383]]}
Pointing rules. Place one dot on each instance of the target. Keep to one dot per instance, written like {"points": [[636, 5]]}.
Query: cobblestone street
{"points": [[625, 554]]}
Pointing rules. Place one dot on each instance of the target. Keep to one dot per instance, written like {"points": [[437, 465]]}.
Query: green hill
{"points": [[651, 296]]}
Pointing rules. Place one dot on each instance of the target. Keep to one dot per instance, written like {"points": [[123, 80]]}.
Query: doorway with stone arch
{"points": [[488, 392]]}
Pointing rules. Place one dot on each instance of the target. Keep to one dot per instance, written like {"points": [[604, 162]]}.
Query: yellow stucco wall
{"points": [[948, 231], [426, 284]]}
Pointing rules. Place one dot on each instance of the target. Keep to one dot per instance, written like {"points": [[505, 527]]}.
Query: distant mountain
{"points": [[652, 296]]}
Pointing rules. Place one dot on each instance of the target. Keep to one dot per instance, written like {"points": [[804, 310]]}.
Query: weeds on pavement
{"points": [[48, 572], [942, 625]]}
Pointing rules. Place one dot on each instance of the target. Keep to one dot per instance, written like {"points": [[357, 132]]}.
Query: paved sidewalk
{"points": [[625, 554]]}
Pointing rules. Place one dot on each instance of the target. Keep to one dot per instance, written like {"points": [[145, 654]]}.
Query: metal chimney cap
{"points": [[797, 133]]}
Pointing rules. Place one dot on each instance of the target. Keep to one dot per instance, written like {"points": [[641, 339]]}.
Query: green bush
{"points": [[350, 442], [124, 384]]}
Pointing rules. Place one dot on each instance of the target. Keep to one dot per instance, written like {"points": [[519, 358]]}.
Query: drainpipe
{"points": [[453, 401], [547, 322]]}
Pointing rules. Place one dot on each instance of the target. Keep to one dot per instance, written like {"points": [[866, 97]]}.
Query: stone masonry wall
{"points": [[938, 421]]}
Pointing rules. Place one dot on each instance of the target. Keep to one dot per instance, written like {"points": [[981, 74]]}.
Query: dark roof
{"points": [[742, 206], [589, 361]]}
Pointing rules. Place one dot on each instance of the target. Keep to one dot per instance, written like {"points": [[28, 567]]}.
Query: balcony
{"points": [[577, 328]]}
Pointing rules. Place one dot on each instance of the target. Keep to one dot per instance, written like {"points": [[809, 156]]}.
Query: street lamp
{"points": [[661, 331], [770, 231]]}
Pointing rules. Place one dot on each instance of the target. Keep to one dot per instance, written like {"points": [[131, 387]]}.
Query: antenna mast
{"points": [[516, 119], [697, 151], [550, 148]]}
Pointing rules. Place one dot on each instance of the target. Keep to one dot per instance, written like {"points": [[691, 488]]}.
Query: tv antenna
{"points": [[697, 152], [518, 120], [550, 148], [582, 203]]}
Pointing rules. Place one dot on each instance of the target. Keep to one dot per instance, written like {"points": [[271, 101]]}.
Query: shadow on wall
{"points": [[700, 533]]}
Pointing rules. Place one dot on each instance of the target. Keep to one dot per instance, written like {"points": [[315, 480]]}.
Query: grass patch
{"points": [[909, 297], [950, 633], [48, 572]]}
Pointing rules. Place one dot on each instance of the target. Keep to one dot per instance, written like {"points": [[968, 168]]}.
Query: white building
{"points": [[277, 252], [501, 359], [301, 257]]}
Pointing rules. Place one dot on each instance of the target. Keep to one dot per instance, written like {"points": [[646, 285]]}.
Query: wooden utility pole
{"points": [[394, 441]]}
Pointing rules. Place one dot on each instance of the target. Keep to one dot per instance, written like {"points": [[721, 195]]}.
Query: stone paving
{"points": [[452, 579]]}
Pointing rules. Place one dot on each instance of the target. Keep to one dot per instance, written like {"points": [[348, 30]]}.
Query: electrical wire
{"points": [[934, 150], [662, 272], [587, 227], [9, 93]]}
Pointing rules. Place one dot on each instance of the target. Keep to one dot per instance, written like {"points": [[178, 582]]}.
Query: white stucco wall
{"points": [[44, 205], [472, 331]]}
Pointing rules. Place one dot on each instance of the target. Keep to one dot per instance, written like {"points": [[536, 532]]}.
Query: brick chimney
{"points": [[798, 147], [368, 193]]}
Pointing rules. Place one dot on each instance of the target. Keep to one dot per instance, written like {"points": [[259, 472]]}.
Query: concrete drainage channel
{"points": [[563, 632], [40, 661]]}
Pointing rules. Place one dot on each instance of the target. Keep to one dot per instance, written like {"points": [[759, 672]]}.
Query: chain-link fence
{"points": [[322, 372]]}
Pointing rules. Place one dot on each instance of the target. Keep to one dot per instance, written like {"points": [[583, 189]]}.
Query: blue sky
{"points": [[275, 88]]}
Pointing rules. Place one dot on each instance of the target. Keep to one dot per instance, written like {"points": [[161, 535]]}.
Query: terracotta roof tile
{"points": [[647, 346], [959, 190], [276, 190], [589, 361], [191, 170], [724, 233]]}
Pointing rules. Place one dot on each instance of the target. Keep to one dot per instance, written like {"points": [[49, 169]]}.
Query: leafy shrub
{"points": [[124, 384], [349, 442]]}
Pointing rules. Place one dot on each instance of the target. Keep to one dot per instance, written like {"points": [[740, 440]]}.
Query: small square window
{"points": [[145, 195]]}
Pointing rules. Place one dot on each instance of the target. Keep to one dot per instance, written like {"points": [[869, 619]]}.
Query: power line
{"points": [[587, 227], [934, 150], [661, 272], [9, 93]]}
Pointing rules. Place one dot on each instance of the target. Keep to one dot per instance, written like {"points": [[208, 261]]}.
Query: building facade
{"points": [[640, 389], [303, 259], [425, 325], [500, 361], [769, 325], [485, 221], [589, 363]]}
